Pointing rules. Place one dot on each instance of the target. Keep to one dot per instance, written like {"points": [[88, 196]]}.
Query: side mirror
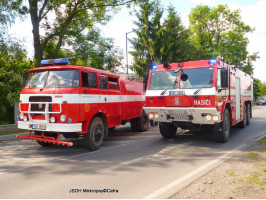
{"points": [[145, 82], [224, 78]]}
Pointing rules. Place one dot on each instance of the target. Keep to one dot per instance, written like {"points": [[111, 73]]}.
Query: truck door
{"points": [[89, 95], [115, 101], [104, 101], [238, 92]]}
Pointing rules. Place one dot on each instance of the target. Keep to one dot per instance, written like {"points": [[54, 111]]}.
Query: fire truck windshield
{"points": [[52, 79], [163, 80], [197, 78]]}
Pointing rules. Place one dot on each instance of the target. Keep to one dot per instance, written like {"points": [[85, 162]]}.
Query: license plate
{"points": [[38, 126], [180, 92]]}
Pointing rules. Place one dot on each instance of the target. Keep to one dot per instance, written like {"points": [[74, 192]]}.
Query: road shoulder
{"points": [[240, 177]]}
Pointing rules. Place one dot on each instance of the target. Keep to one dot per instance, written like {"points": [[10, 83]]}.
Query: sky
{"points": [[253, 13]]}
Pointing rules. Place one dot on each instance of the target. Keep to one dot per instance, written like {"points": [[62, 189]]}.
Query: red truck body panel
{"points": [[185, 104], [121, 100]]}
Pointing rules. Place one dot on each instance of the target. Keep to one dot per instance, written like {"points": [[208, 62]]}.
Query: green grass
{"points": [[4, 123], [12, 132], [241, 179], [231, 174], [254, 154], [263, 141], [264, 169], [254, 178]]}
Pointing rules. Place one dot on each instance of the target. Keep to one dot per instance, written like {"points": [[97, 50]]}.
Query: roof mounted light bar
{"points": [[60, 61]]}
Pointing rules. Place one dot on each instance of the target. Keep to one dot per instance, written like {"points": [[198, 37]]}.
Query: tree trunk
{"points": [[33, 4]]}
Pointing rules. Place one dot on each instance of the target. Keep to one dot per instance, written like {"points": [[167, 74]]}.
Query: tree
{"points": [[262, 89], [175, 43], [64, 20], [148, 42], [93, 50], [9, 10], [256, 88], [160, 42], [13, 73], [220, 33]]}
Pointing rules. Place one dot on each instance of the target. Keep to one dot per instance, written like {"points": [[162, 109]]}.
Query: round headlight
{"points": [[21, 115], [215, 118], [25, 118], [156, 115], [62, 118], [52, 119], [208, 117], [151, 115]]}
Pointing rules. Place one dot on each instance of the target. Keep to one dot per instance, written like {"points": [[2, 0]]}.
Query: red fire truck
{"points": [[73, 101], [199, 95]]}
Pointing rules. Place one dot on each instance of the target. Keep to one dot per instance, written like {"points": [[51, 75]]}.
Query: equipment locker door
{"points": [[238, 104]]}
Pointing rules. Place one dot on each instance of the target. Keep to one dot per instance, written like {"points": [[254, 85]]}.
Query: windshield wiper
{"points": [[175, 82], [208, 82]]}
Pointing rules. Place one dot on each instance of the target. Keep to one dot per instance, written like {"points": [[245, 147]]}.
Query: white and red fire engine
{"points": [[202, 95], [61, 99]]}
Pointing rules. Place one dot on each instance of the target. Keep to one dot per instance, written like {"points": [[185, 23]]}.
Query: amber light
{"points": [[64, 102], [24, 107]]}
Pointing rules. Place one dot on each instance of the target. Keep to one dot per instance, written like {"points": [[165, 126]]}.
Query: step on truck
{"points": [[205, 95], [74, 101]]}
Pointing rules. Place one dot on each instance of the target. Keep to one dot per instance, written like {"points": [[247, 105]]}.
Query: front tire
{"points": [[48, 134], [143, 122], [94, 137], [133, 124], [167, 130], [223, 135]]}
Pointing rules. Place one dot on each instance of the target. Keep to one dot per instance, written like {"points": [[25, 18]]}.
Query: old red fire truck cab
{"points": [[201, 95], [61, 99]]}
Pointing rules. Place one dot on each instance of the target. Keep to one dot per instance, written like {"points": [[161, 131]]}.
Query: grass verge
{"points": [[12, 132]]}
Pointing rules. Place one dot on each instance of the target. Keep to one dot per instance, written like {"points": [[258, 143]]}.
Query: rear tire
{"points": [[167, 130], [243, 123], [223, 135], [248, 114], [94, 137]]}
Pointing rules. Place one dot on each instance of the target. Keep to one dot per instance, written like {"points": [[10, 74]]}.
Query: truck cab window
{"points": [[89, 80], [102, 82], [113, 83], [163, 80], [198, 78]]}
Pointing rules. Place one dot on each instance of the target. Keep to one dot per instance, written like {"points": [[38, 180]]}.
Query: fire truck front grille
{"points": [[40, 99], [40, 106], [179, 114]]}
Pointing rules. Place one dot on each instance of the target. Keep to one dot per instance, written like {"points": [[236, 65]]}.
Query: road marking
{"points": [[224, 157], [74, 156], [186, 177]]}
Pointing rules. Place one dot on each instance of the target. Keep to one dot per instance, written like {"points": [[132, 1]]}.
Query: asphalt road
{"points": [[128, 165]]}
